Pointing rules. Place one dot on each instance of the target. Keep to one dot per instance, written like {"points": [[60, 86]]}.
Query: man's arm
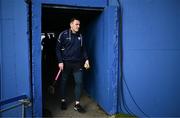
{"points": [[85, 56], [58, 52]]}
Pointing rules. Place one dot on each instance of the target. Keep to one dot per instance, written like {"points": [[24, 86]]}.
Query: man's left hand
{"points": [[86, 64]]}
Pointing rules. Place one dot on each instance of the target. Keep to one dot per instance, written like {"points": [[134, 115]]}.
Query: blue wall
{"points": [[14, 49], [151, 54], [82, 3], [102, 45], [105, 94]]}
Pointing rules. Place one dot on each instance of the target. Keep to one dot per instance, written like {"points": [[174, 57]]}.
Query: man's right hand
{"points": [[61, 66]]}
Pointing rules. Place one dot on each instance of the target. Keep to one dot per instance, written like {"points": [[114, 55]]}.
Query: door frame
{"points": [[36, 49]]}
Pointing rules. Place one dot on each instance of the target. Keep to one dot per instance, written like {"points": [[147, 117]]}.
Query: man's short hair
{"points": [[74, 18]]}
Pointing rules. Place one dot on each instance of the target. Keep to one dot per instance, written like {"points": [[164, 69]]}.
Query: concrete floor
{"points": [[52, 107]]}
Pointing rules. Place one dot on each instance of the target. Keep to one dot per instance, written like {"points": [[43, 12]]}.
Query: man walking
{"points": [[72, 58]]}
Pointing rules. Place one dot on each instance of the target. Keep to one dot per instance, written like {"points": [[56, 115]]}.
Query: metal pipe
{"points": [[11, 107], [23, 110], [22, 100]]}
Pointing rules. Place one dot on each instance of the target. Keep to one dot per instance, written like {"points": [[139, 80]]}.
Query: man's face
{"points": [[75, 25]]}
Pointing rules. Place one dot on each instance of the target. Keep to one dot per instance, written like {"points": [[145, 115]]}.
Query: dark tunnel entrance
{"points": [[54, 20]]}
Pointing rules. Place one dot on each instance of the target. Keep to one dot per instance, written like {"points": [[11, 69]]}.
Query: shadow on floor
{"points": [[52, 106], [47, 113]]}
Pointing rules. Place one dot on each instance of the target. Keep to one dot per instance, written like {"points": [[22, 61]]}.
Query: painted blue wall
{"points": [[102, 45], [106, 69], [36, 58], [151, 54], [81, 3], [14, 47]]}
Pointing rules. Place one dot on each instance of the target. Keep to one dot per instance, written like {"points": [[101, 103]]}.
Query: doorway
{"points": [[54, 20]]}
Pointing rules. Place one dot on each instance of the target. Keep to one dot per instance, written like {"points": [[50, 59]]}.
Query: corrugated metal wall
{"points": [[14, 43], [151, 54]]}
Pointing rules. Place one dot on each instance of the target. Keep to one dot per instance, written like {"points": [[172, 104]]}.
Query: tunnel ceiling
{"points": [[57, 19]]}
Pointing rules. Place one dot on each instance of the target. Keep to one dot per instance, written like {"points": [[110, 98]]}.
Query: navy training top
{"points": [[70, 47]]}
